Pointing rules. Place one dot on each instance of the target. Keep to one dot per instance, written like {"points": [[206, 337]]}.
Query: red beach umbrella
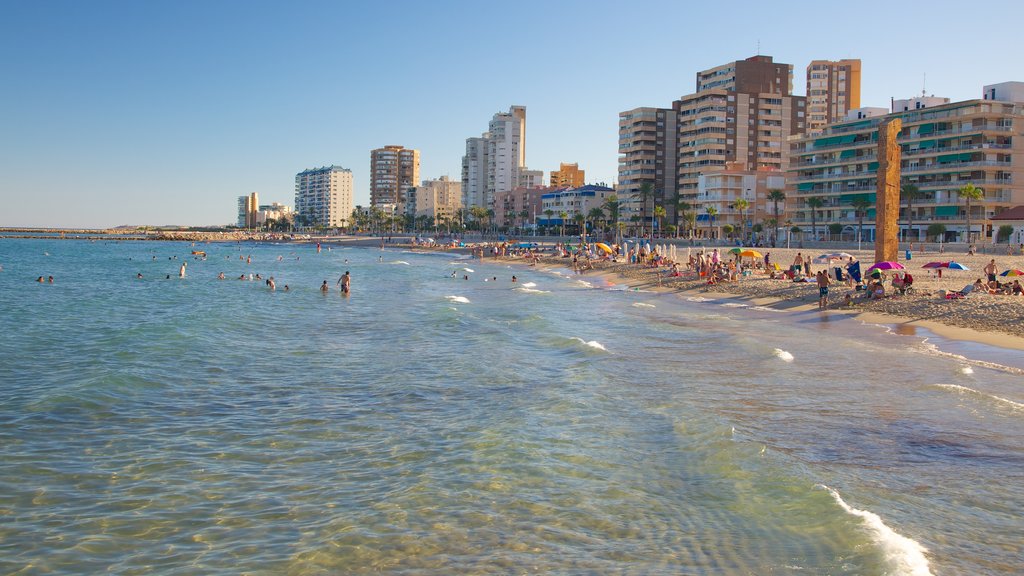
{"points": [[886, 265]]}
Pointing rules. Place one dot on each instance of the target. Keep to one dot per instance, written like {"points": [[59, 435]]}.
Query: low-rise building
{"points": [[567, 203], [439, 199], [520, 207], [722, 187]]}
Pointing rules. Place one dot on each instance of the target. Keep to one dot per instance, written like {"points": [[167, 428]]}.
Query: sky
{"points": [[164, 113]]}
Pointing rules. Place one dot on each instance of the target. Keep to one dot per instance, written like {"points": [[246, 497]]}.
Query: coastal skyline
{"points": [[135, 114]]}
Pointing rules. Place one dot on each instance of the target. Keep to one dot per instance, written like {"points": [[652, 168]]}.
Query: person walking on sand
{"points": [[345, 282], [823, 282]]}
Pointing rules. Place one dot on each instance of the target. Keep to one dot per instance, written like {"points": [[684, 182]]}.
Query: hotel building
{"points": [[393, 170], [510, 206], [943, 147], [323, 196], [572, 201], [567, 176], [833, 89]]}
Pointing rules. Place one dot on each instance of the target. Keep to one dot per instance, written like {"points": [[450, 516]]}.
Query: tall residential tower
{"points": [[494, 161], [393, 170], [323, 196], [833, 89]]}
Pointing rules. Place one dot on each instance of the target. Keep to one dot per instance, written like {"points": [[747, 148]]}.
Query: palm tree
{"points": [[742, 204], [595, 215], [970, 192], [659, 213], [814, 202], [646, 192], [548, 214], [562, 216], [479, 213], [911, 193], [690, 218], [524, 216], [684, 207], [490, 216], [580, 219], [712, 212], [612, 205], [776, 196], [860, 207]]}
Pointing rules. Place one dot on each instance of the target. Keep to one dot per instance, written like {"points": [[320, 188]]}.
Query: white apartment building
{"points": [[323, 196], [494, 161]]}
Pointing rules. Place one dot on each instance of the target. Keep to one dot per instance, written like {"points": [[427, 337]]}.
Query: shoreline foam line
{"points": [[906, 555]]}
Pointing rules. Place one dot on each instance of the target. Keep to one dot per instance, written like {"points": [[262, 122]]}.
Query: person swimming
{"points": [[323, 287]]}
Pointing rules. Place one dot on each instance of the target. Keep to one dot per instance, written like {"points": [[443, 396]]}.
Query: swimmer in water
{"points": [[323, 287], [139, 275], [181, 271]]}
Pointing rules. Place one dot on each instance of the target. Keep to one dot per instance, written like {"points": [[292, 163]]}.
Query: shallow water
{"points": [[432, 425]]}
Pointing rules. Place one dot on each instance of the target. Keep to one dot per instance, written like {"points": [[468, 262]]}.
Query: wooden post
{"points": [[887, 204]]}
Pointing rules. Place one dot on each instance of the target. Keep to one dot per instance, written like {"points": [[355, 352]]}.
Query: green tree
{"points": [[711, 212], [490, 216], [969, 192], [549, 213], [646, 193], [524, 216], [479, 214], [580, 219], [727, 229], [860, 207], [936, 230], [776, 196], [612, 205], [815, 202], [683, 209], [1004, 233], [563, 216], [910, 193], [835, 229], [742, 204], [659, 214], [595, 215]]}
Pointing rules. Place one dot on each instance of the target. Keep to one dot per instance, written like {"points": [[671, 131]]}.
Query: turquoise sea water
{"points": [[433, 425]]}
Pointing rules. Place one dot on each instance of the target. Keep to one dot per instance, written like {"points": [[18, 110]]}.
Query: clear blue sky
{"points": [[155, 113]]}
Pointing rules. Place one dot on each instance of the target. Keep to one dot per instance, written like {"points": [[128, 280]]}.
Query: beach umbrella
{"points": [[841, 256], [751, 254], [936, 265], [886, 265], [956, 266], [606, 248], [1012, 272], [735, 250]]}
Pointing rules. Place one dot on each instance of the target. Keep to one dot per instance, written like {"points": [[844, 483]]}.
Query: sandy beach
{"points": [[991, 319]]}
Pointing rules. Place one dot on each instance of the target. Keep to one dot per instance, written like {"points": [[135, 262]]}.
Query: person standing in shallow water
{"points": [[345, 282]]}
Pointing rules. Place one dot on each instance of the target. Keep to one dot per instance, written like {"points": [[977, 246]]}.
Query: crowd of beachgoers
{"points": [[969, 289]]}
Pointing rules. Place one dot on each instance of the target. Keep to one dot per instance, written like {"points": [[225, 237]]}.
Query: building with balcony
{"points": [[393, 170], [248, 206], [440, 199], [743, 113], [323, 196], [647, 155], [520, 207], [272, 211], [572, 202], [833, 89], [494, 160], [721, 187], [944, 146], [567, 176]]}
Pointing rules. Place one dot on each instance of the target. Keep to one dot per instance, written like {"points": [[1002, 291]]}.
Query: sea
{"points": [[445, 419]]}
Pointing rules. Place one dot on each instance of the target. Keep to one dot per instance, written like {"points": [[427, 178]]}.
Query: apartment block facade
{"points": [[248, 206], [647, 155], [572, 202], [943, 147], [494, 161], [721, 187], [743, 111], [440, 199], [567, 176], [519, 207], [833, 89], [393, 170], [323, 196]]}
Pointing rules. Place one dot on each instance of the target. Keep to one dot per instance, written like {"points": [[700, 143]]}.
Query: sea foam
{"points": [[783, 355], [592, 343], [972, 391], [459, 299], [904, 554]]}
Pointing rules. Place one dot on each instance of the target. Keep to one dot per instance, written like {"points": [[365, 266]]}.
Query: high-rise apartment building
{"points": [[833, 89], [944, 146], [647, 155], [721, 188], [323, 196], [568, 176], [248, 206], [743, 111], [393, 170], [494, 161]]}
